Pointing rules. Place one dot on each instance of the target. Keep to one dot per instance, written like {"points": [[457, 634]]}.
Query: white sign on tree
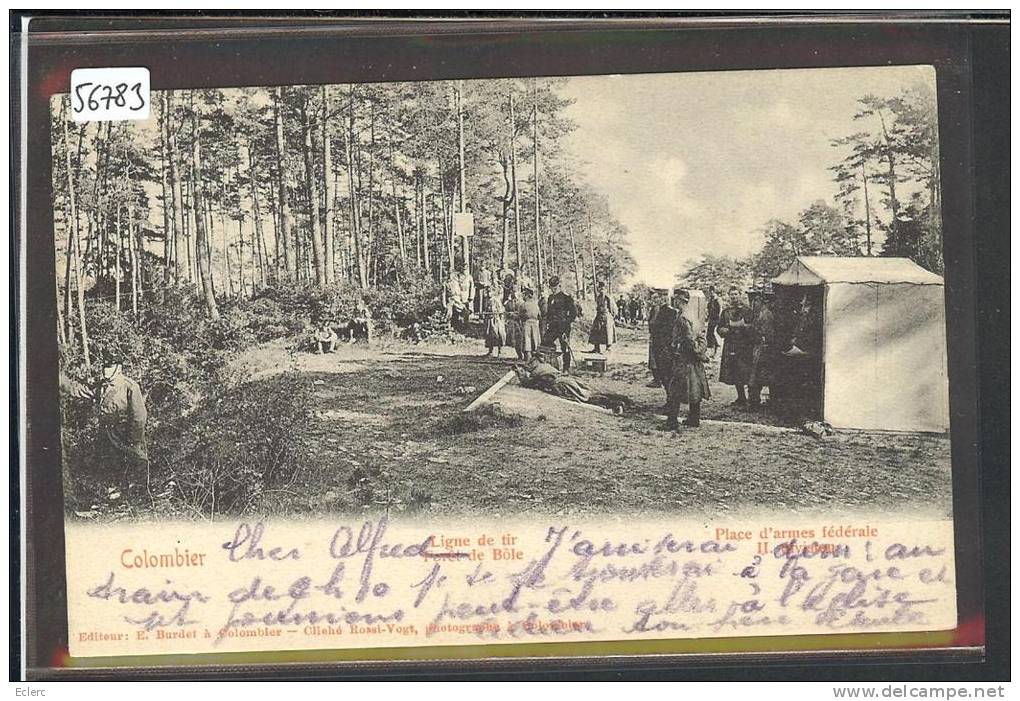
{"points": [[464, 224]]}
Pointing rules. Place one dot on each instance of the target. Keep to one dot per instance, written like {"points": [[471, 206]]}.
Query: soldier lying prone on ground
{"points": [[538, 375]]}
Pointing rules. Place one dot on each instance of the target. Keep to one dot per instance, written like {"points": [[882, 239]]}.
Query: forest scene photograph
{"points": [[569, 295]]}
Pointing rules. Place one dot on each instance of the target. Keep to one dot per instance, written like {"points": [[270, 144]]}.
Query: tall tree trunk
{"points": [[242, 270], [135, 255], [313, 195], [258, 236], [175, 187], [98, 215], [116, 257], [417, 218], [92, 209], [210, 226], [867, 210], [609, 264], [100, 202], [258, 275], [201, 233], [340, 243], [74, 247], [194, 251], [281, 170], [425, 231], [277, 253], [168, 222], [66, 327], [552, 243], [328, 215], [460, 160], [71, 223], [228, 274], [591, 248], [578, 278], [130, 240], [894, 204], [506, 201], [513, 179], [370, 248], [397, 206], [350, 144], [448, 235], [75, 171], [538, 228]]}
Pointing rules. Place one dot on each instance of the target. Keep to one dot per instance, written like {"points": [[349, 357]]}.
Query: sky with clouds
{"points": [[696, 163]]}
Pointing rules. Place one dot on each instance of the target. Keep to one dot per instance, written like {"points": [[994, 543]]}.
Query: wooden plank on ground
{"points": [[749, 424], [487, 394], [583, 405], [769, 428]]}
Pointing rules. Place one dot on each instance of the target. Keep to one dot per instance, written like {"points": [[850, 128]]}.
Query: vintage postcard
{"points": [[486, 362]]}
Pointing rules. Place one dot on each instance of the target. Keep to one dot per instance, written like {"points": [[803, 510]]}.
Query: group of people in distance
{"points": [[749, 351], [630, 309], [520, 314], [329, 333], [677, 355]]}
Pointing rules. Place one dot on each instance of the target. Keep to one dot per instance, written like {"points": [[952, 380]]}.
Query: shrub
{"points": [[484, 417], [291, 307], [242, 442]]}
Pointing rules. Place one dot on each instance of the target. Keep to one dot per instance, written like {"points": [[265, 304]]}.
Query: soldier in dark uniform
{"points": [[621, 309], [121, 449], [714, 312], [483, 285], [603, 326], [635, 310], [735, 326], [660, 331], [514, 325], [763, 358], [561, 311], [687, 383], [657, 302]]}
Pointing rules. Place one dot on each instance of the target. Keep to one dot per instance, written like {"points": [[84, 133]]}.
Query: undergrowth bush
{"points": [[221, 444], [484, 417], [243, 442]]}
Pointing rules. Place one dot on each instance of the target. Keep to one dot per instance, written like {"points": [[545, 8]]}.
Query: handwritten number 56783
{"points": [[101, 95]]}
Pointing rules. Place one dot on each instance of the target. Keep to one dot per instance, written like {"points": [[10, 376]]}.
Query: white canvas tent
{"points": [[883, 342]]}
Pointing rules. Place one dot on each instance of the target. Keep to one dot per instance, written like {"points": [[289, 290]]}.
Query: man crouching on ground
{"points": [[325, 338], [687, 383]]}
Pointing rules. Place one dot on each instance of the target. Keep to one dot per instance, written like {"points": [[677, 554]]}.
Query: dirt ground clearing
{"points": [[389, 433]]}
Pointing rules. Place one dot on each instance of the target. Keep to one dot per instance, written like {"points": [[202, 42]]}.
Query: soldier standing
{"points": [[495, 321], [657, 301], [561, 311], [763, 359], [529, 315], [714, 312], [603, 326], [485, 281], [621, 309], [687, 383], [635, 310], [735, 326], [660, 332], [121, 447], [460, 292]]}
